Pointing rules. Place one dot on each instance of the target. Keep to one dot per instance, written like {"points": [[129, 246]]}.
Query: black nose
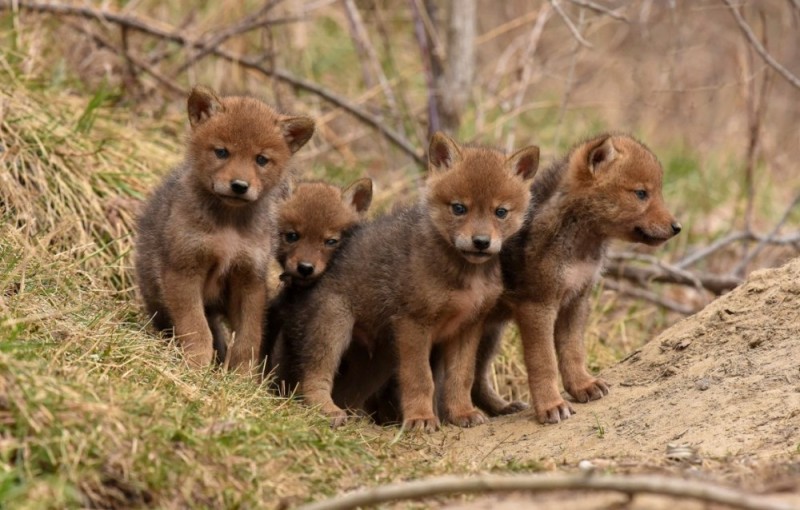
{"points": [[676, 228], [305, 269], [481, 242], [239, 187]]}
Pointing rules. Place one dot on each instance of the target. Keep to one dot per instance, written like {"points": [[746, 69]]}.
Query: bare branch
{"points": [[739, 269], [368, 56], [700, 254], [575, 32], [150, 28], [527, 68], [632, 485], [171, 86], [717, 284], [769, 59], [651, 297], [568, 89], [428, 61], [248, 23], [594, 6]]}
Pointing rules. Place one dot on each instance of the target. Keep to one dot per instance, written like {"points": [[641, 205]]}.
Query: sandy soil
{"points": [[721, 387]]}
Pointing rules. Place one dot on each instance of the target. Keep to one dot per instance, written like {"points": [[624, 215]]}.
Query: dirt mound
{"points": [[722, 386]]}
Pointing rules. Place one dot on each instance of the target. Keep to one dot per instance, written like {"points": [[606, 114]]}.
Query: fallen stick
{"points": [[631, 485]]}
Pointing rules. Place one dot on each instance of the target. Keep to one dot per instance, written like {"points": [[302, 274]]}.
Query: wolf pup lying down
{"points": [[420, 276], [606, 188], [315, 219], [204, 239]]}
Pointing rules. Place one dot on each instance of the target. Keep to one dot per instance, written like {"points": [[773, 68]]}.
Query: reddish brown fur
{"points": [[311, 222], [420, 276], [203, 240], [314, 221], [579, 205]]}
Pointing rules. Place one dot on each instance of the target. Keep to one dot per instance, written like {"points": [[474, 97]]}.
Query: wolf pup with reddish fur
{"points": [[204, 239], [419, 276], [314, 220], [606, 188], [311, 223]]}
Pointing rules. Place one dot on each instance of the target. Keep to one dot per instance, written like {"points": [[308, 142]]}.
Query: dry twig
{"points": [[367, 54], [651, 297], [572, 28], [662, 272], [594, 6], [700, 254], [740, 268], [150, 28], [429, 61], [769, 59], [631, 485], [527, 68]]}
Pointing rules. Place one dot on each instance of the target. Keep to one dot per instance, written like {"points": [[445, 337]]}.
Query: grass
{"points": [[96, 411]]}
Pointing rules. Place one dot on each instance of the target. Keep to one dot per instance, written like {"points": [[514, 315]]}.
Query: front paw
{"points": [[337, 416], [553, 411], [422, 423], [512, 408], [592, 388], [468, 419]]}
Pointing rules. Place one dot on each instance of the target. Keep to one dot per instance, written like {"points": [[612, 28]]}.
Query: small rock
{"points": [[792, 288], [585, 465], [702, 384], [755, 342], [683, 453]]}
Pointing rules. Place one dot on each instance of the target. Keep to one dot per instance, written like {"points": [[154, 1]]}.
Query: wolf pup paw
{"points": [[338, 420], [469, 419], [425, 424], [513, 408], [554, 413], [337, 416], [592, 389]]}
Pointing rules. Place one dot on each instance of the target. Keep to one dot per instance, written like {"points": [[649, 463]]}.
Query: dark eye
{"points": [[501, 212], [331, 242], [291, 237], [221, 153], [458, 209], [641, 194], [262, 160]]}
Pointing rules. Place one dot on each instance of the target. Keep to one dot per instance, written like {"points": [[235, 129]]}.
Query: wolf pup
{"points": [[314, 220], [420, 276], [311, 223], [204, 239], [606, 188]]}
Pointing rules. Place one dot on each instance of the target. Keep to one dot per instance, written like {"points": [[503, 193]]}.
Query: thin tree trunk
{"points": [[455, 83]]}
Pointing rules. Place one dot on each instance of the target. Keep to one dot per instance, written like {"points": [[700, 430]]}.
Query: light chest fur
{"points": [[463, 306], [577, 275], [228, 248]]}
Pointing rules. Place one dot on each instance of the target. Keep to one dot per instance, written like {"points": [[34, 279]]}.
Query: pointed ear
{"points": [[443, 152], [603, 152], [358, 195], [203, 103], [296, 131], [524, 162]]}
